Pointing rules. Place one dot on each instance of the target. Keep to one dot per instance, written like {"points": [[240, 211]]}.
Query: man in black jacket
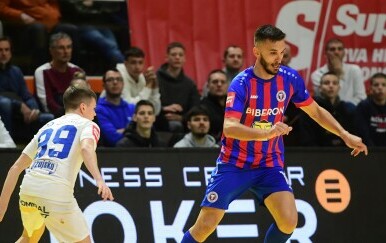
{"points": [[313, 134], [178, 92], [140, 132], [214, 102]]}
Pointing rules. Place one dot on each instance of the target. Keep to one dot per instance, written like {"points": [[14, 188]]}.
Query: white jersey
{"points": [[57, 158]]}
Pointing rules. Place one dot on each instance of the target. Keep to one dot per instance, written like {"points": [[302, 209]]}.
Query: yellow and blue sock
{"points": [[188, 238], [274, 235]]}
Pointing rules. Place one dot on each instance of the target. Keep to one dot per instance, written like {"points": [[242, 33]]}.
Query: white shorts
{"points": [[64, 220]]}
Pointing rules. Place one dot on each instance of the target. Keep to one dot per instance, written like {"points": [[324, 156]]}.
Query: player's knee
{"points": [[288, 224], [206, 227]]}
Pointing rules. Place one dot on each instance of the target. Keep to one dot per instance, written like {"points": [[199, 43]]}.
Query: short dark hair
{"points": [[328, 73], [332, 40], [268, 32], [58, 36], [377, 75], [216, 71], [226, 52], [6, 38], [77, 94], [174, 45], [143, 103], [196, 111], [110, 69], [134, 52]]}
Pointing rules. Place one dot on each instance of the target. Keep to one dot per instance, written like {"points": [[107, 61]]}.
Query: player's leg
{"points": [[33, 221], [67, 222], [282, 207], [225, 185], [206, 223], [34, 238]]}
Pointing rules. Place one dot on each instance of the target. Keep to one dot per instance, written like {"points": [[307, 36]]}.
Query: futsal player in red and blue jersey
{"points": [[252, 152]]}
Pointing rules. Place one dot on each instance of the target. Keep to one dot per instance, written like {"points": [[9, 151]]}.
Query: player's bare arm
{"points": [[14, 172], [90, 160], [234, 129], [328, 122]]}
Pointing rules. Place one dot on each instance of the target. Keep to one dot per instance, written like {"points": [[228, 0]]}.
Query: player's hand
{"points": [[27, 19], [336, 64], [355, 143], [279, 129], [173, 117], [174, 108], [151, 78], [104, 191]]}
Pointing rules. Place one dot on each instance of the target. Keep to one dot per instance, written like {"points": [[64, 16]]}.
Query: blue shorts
{"points": [[229, 182]]}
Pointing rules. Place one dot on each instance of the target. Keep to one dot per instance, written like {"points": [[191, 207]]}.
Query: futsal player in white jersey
{"points": [[53, 158]]}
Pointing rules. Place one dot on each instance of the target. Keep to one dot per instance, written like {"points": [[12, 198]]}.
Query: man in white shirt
{"points": [[53, 158], [350, 75], [138, 83]]}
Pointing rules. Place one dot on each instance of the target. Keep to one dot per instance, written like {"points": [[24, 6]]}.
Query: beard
{"points": [[199, 134], [267, 66]]}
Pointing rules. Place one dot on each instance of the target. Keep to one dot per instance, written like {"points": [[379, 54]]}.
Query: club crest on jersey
{"points": [[280, 96], [212, 197], [230, 99]]}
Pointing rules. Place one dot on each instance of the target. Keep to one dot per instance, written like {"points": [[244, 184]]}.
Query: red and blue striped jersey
{"points": [[260, 103]]}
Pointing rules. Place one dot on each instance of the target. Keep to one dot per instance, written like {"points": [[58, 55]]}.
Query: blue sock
{"points": [[188, 238], [274, 235]]}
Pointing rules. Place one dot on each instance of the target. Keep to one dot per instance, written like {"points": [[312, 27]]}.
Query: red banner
{"points": [[207, 27]]}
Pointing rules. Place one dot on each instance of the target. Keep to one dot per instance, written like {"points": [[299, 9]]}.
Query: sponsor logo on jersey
{"points": [[254, 97], [265, 112], [42, 209], [48, 166], [230, 99]]}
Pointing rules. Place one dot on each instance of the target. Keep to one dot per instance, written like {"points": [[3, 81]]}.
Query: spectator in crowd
{"points": [[92, 19], [15, 99], [371, 113], [198, 123], [287, 55], [233, 61], [33, 21], [350, 75], [138, 84], [113, 113], [53, 78], [140, 132], [6, 140], [214, 102], [178, 92], [312, 133]]}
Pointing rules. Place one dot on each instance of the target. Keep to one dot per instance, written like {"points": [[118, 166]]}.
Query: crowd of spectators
{"points": [[146, 106]]}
